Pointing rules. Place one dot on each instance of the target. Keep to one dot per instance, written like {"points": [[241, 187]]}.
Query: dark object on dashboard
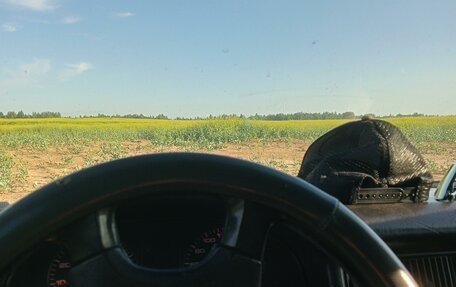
{"points": [[381, 195], [352, 159]]}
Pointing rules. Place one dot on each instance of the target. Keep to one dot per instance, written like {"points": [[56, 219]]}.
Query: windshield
{"points": [[83, 82]]}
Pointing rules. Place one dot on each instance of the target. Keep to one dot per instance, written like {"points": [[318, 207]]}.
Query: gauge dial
{"points": [[200, 247], [59, 269]]}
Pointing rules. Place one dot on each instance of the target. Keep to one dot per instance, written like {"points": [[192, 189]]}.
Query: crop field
{"points": [[34, 152]]}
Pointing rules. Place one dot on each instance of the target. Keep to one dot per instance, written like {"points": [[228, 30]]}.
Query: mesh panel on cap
{"points": [[340, 161]]}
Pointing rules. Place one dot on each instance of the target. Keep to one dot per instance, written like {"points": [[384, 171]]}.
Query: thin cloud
{"points": [[36, 5], [125, 14], [71, 20], [9, 28], [39, 67], [73, 70], [26, 74]]}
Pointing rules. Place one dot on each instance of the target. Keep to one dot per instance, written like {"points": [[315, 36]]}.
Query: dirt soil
{"points": [[33, 168]]}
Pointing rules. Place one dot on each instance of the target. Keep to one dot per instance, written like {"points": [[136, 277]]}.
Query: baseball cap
{"points": [[367, 161]]}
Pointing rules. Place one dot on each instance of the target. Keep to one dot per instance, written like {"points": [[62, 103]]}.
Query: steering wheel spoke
{"points": [[90, 236], [101, 261], [111, 268], [247, 228]]}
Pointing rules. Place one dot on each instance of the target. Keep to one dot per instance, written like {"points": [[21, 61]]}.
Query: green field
{"points": [[41, 133], [68, 144]]}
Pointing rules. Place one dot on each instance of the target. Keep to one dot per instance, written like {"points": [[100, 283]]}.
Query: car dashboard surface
{"points": [[179, 231], [422, 235]]}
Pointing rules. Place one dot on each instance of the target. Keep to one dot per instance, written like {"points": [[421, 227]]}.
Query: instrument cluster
{"points": [[163, 233]]}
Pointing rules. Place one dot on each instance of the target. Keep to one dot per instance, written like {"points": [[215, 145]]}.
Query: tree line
{"points": [[305, 116], [270, 117], [34, 115], [129, 116]]}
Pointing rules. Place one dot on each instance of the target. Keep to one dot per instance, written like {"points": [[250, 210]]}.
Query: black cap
{"points": [[368, 153]]}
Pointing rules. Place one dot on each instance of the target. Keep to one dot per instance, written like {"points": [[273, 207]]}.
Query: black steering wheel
{"points": [[236, 261]]}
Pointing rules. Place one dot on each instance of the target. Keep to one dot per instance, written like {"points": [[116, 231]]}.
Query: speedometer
{"points": [[201, 246], [59, 269]]}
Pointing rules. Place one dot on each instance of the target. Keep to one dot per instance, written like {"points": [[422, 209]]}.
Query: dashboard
{"points": [[162, 233], [180, 231], [167, 233]]}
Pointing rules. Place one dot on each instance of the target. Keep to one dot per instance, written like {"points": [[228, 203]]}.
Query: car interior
{"points": [[187, 219], [141, 102]]}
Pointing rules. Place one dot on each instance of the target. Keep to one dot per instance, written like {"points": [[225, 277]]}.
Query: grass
{"points": [[6, 167], [41, 133], [12, 171], [35, 151]]}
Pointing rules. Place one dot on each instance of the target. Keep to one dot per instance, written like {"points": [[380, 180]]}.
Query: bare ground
{"points": [[33, 168]]}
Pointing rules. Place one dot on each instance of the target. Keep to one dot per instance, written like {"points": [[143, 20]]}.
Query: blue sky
{"points": [[194, 58]]}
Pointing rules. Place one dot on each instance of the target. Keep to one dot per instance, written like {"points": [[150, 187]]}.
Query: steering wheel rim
{"points": [[339, 231]]}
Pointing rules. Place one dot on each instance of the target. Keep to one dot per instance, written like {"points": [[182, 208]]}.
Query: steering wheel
{"points": [[100, 261]]}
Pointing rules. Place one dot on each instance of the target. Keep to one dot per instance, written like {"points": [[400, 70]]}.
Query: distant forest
{"points": [[22, 115], [270, 117]]}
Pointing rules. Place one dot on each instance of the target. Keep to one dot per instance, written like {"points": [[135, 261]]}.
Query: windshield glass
{"points": [[83, 82]]}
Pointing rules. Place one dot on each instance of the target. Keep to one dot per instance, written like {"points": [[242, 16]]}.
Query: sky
{"points": [[195, 58]]}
